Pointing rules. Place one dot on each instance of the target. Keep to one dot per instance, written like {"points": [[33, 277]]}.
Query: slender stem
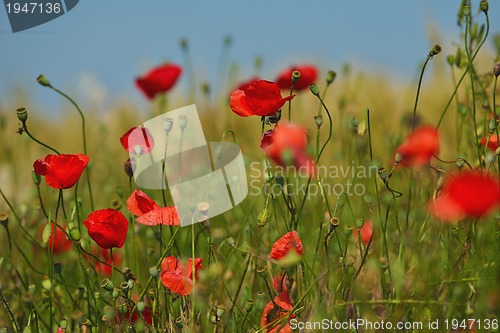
{"points": [[418, 90], [471, 74], [84, 136], [25, 129], [9, 312], [466, 71]]}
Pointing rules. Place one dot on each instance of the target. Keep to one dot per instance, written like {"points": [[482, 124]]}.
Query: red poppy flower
{"points": [[290, 241], [308, 75], [126, 318], [280, 282], [275, 313], [244, 85], [107, 227], [260, 98], [177, 277], [149, 212], [471, 193], [61, 243], [61, 171], [366, 232], [287, 145], [419, 147], [105, 256], [159, 80], [492, 143], [137, 137]]}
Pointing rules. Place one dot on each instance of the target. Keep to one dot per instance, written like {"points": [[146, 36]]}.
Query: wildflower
{"points": [[471, 193], [275, 312], [137, 137], [61, 171], [159, 80], [177, 277], [419, 147], [308, 75], [492, 142], [107, 227], [287, 145], [365, 231], [148, 211], [57, 240], [260, 98], [282, 247]]}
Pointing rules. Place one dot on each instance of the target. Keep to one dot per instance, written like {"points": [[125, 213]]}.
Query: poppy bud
{"points": [[398, 158], [36, 178], [22, 115], [4, 219], [318, 120], [128, 168], [314, 89], [263, 217], [451, 60], [46, 284], [484, 6], [330, 77], [167, 124], [74, 233], [295, 76], [496, 70], [42, 79], [493, 125], [107, 285], [436, 49]]}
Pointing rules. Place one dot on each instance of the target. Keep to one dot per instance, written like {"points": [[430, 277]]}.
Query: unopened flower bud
{"points": [[128, 168], [263, 217], [436, 49], [36, 178], [493, 125], [74, 233], [484, 6], [107, 285], [295, 76], [398, 158], [22, 114], [496, 70], [330, 77], [314, 89], [450, 59], [318, 120], [42, 79]]}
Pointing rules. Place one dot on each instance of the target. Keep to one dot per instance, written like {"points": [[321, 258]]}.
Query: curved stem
{"points": [[25, 129]]}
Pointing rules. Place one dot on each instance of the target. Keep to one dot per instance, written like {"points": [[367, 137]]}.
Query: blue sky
{"points": [[106, 44]]}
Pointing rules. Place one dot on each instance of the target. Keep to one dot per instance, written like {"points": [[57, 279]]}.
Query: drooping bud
{"points": [[42, 79], [330, 77]]}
